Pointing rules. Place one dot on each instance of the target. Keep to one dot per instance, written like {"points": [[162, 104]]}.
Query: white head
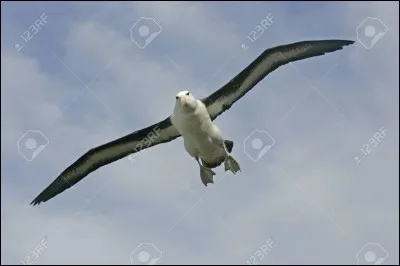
{"points": [[186, 101]]}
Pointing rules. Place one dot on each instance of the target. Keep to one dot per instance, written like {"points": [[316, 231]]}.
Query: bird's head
{"points": [[185, 100]]}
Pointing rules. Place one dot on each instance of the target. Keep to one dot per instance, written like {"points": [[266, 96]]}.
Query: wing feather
{"points": [[102, 155], [268, 61]]}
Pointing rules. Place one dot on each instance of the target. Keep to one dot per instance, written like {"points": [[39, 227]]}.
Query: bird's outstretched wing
{"points": [[97, 157], [267, 62]]}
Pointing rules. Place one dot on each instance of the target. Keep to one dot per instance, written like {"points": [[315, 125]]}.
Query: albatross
{"points": [[193, 119]]}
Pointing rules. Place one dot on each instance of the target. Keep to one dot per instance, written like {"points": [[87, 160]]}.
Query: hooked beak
{"points": [[183, 100]]}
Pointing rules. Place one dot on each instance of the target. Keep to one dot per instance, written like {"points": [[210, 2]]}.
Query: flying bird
{"points": [[193, 119]]}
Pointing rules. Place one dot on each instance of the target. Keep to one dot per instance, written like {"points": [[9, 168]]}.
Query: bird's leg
{"points": [[230, 162], [206, 174]]}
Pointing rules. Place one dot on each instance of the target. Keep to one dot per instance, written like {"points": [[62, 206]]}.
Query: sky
{"points": [[317, 140]]}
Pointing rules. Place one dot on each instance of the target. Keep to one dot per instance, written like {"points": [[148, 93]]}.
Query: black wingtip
{"points": [[47, 194], [52, 190], [37, 200], [337, 42], [328, 46], [42, 197], [346, 42]]}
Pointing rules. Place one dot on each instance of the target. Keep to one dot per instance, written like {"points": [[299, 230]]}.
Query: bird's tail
{"points": [[229, 145], [219, 161]]}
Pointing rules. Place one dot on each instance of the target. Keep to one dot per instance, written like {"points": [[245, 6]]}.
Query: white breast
{"points": [[201, 136]]}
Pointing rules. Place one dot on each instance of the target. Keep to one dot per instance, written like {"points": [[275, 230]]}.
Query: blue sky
{"points": [[81, 81]]}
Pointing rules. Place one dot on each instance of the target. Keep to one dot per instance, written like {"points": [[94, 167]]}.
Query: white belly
{"points": [[201, 136]]}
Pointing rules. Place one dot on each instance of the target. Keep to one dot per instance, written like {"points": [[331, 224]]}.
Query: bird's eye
{"points": [[177, 97], [188, 93]]}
